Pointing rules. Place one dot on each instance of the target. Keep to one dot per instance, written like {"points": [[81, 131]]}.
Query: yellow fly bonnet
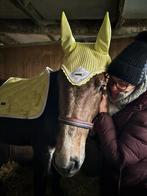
{"points": [[84, 60]]}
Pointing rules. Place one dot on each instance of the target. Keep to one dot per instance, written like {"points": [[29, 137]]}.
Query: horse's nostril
{"points": [[76, 164], [68, 169]]}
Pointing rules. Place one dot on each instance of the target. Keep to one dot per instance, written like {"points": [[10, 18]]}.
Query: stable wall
{"points": [[27, 61]]}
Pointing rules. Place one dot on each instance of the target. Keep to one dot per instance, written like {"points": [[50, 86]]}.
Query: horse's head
{"points": [[80, 82]]}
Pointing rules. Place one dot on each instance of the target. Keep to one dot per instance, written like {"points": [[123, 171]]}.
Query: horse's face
{"points": [[79, 95], [76, 103]]}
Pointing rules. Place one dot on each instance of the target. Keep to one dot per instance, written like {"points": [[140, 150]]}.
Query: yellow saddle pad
{"points": [[24, 98]]}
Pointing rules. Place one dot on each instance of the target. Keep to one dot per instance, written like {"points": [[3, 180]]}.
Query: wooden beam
{"points": [[6, 40], [85, 31], [27, 7]]}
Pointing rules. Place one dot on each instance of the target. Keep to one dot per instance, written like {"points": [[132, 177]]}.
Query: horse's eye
{"points": [[101, 88]]}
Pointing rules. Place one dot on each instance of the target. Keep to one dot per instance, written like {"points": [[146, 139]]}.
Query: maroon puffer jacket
{"points": [[123, 140]]}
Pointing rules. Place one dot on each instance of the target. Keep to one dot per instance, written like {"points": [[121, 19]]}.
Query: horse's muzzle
{"points": [[70, 170]]}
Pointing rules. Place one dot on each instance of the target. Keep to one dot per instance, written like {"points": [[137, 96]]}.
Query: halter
{"points": [[76, 123], [80, 123]]}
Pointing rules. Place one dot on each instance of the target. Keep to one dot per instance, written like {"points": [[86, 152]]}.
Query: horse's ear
{"points": [[104, 36], [67, 40]]}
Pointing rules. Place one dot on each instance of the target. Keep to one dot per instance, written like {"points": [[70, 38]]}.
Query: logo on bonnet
{"points": [[79, 74], [84, 60]]}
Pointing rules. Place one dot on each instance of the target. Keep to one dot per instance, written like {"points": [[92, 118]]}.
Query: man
{"points": [[121, 128]]}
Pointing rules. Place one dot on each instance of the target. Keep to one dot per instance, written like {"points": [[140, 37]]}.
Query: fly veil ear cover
{"points": [[84, 60]]}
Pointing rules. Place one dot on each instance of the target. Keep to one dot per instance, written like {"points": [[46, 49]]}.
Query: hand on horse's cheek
{"points": [[103, 107]]}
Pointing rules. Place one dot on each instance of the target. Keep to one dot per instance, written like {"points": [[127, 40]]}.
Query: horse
{"points": [[40, 133], [70, 109], [80, 91]]}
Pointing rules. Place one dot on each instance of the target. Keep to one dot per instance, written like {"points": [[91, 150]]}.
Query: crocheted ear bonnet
{"points": [[84, 60]]}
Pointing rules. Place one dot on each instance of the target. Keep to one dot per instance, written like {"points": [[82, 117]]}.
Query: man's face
{"points": [[117, 86]]}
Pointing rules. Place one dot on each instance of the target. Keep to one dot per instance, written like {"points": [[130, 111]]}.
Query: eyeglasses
{"points": [[121, 85]]}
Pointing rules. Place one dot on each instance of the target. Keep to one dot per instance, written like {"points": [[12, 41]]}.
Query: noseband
{"points": [[76, 123], [80, 123]]}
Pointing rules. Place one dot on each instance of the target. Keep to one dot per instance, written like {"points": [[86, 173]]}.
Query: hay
{"points": [[81, 185], [17, 180]]}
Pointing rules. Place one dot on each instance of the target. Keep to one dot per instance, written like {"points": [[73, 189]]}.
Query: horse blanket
{"points": [[24, 98]]}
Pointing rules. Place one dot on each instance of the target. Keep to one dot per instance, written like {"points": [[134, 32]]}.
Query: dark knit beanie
{"points": [[131, 64]]}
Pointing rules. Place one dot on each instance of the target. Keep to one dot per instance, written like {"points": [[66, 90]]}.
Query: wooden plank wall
{"points": [[30, 60]]}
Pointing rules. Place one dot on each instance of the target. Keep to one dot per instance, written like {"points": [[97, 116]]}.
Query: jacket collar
{"points": [[140, 103]]}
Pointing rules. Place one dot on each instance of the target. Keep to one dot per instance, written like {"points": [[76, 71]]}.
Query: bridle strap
{"points": [[76, 123]]}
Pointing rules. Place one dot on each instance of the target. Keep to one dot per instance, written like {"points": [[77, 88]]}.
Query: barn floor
{"points": [[16, 180]]}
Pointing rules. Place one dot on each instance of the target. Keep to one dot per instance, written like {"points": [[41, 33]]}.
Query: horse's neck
{"points": [[50, 114], [53, 90]]}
